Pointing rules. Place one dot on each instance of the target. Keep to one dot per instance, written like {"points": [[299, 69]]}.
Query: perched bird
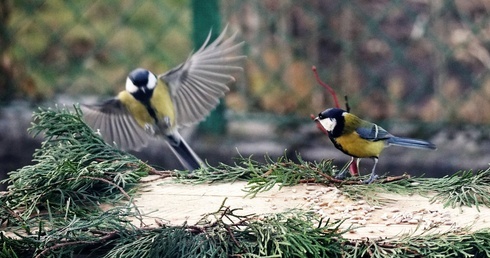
{"points": [[361, 139], [156, 106]]}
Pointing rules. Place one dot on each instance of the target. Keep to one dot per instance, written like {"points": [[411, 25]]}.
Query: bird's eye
{"points": [[320, 116]]}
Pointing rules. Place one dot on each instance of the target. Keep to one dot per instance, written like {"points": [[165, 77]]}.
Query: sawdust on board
{"points": [[175, 204]]}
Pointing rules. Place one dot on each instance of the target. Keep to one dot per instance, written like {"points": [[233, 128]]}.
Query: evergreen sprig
{"points": [[52, 207], [295, 234], [464, 188], [225, 234], [285, 172], [430, 244], [262, 176], [74, 169]]}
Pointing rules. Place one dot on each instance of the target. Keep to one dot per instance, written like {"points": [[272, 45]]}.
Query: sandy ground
{"points": [[175, 204]]}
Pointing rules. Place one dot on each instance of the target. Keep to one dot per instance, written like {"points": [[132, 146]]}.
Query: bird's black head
{"points": [[141, 83], [333, 121]]}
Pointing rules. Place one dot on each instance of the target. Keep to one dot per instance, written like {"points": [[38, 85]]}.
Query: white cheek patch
{"points": [[130, 87], [152, 81], [328, 123]]}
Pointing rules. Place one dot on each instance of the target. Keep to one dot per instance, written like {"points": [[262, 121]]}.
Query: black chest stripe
{"points": [[151, 111], [339, 147]]}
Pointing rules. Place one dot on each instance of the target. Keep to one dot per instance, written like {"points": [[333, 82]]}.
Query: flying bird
{"points": [[158, 105]]}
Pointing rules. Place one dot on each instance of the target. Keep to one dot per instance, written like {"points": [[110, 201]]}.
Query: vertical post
{"points": [[6, 80], [7, 88], [206, 16]]}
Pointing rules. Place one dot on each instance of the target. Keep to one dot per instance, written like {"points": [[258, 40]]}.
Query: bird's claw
{"points": [[371, 179], [167, 122], [163, 125], [149, 129], [341, 175]]}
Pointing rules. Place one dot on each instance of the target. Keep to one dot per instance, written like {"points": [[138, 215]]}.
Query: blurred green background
{"points": [[396, 60]]}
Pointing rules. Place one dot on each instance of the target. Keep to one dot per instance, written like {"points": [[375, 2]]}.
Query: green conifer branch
{"points": [[52, 208]]}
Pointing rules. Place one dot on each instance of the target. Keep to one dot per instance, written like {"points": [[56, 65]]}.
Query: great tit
{"points": [[361, 139], [156, 106]]}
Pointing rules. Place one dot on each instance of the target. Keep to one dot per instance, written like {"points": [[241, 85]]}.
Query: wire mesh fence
{"points": [[88, 47], [409, 60], [413, 60]]}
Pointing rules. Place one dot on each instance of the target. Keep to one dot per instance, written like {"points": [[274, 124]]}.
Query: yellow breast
{"points": [[160, 102], [135, 108], [356, 146]]}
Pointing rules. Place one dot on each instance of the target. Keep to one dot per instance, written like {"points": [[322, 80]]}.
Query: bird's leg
{"points": [[354, 168], [167, 122], [161, 127], [373, 174], [341, 174], [150, 129]]}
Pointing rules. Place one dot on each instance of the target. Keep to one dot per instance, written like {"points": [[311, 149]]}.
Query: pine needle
{"points": [[73, 166], [52, 208]]}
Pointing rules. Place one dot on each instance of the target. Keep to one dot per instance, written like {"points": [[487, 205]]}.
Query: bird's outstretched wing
{"points": [[372, 132], [198, 83], [115, 124]]}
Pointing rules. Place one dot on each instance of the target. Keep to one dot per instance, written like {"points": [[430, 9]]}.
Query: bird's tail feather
{"points": [[184, 153], [411, 143]]}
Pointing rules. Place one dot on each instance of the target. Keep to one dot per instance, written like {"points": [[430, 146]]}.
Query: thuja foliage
{"points": [[52, 208], [74, 169], [226, 234], [464, 188], [263, 176], [430, 244]]}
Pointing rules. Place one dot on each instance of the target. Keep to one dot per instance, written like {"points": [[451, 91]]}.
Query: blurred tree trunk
{"points": [[6, 80]]}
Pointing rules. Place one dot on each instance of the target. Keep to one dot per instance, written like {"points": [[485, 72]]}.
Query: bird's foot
{"points": [[150, 129], [371, 179], [341, 176], [162, 126], [167, 122]]}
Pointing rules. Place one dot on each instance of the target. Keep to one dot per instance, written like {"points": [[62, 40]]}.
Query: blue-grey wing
{"points": [[115, 124], [198, 84], [372, 132]]}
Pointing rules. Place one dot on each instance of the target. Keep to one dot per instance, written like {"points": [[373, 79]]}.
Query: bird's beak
{"points": [[316, 119]]}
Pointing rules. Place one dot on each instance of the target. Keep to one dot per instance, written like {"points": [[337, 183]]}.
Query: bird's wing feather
{"points": [[115, 124], [372, 132], [197, 85]]}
